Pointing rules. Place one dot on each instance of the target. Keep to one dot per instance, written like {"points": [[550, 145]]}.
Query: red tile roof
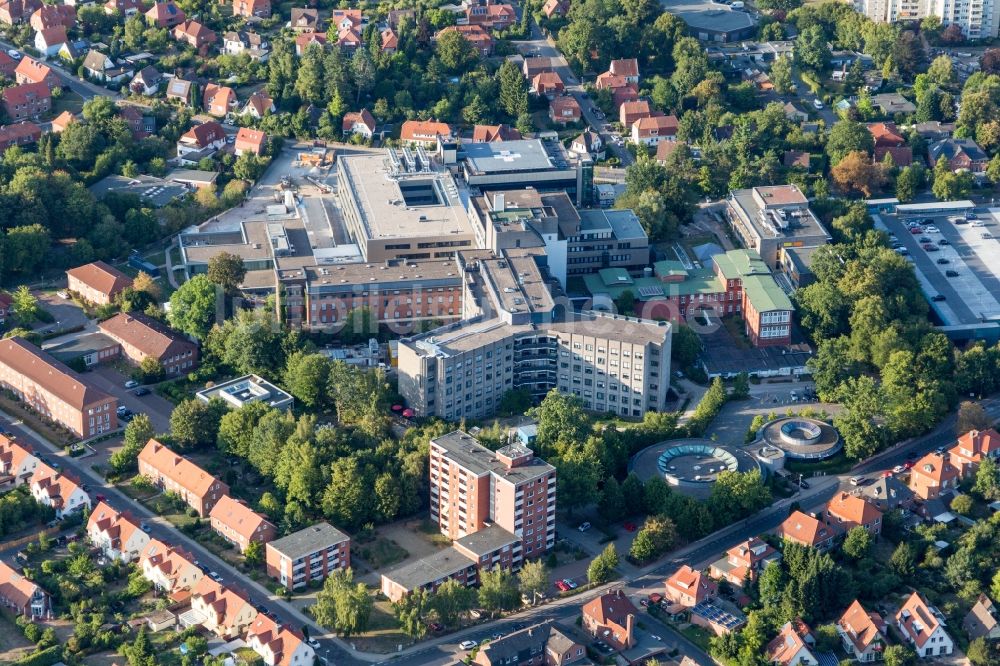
{"points": [[101, 277], [803, 528], [204, 134], [180, 470], [861, 626], [237, 516], [362, 117], [29, 361], [150, 336], [423, 130], [918, 619], [32, 70], [26, 93], [15, 587], [251, 140]]}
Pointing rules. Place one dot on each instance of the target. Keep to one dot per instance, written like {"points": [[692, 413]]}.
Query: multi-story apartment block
{"points": [[55, 391], [168, 568], [175, 473], [142, 337], [472, 488], [978, 19], [28, 100], [116, 534], [239, 524], [310, 554], [17, 463]]}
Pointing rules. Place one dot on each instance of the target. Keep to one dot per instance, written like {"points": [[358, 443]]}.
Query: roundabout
{"points": [[691, 465], [801, 438]]}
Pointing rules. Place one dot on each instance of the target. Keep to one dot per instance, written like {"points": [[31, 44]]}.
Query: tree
{"points": [[498, 591], [144, 283], [193, 307], [781, 75], [685, 347], [24, 305], [151, 370], [632, 491], [847, 136], [602, 567], [909, 182], [254, 554], [990, 62], [578, 474], [344, 498], [771, 584], [410, 612], [971, 416], [249, 343], [987, 483], [903, 560], [856, 172], [979, 653], [226, 270], [195, 423], [513, 92], [941, 71], [451, 600], [306, 377], [962, 504], [455, 52], [533, 579], [948, 185], [656, 537], [857, 543], [137, 433], [611, 505], [25, 247], [898, 655], [736, 495], [812, 49], [343, 605], [561, 419]]}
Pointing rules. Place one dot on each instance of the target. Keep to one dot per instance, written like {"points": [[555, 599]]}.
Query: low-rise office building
{"points": [[97, 282], [243, 390], [54, 390], [768, 218], [310, 554]]}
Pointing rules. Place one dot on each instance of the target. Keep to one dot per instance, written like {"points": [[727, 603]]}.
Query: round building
{"points": [[691, 465], [800, 438]]}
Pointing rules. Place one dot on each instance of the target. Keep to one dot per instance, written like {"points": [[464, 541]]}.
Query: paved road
{"points": [[84, 89]]}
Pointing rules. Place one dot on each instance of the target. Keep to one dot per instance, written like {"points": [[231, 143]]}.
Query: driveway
{"points": [[67, 314], [156, 407]]}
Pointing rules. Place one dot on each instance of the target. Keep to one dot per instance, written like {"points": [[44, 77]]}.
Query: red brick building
{"points": [[143, 337], [97, 282], [177, 474], [238, 524], [28, 100]]}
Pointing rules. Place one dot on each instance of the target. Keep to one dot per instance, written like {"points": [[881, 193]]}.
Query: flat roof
{"points": [[623, 223], [377, 190], [192, 176], [505, 156], [466, 451], [157, 191], [398, 274], [79, 346], [799, 222], [436, 566], [309, 540], [246, 389], [710, 16], [487, 540]]}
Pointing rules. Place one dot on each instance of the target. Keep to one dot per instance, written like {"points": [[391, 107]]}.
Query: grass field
{"points": [[67, 101], [381, 553], [383, 633]]}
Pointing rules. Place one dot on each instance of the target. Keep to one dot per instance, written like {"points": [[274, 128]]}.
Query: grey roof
{"points": [[980, 621], [157, 191], [625, 224], [523, 155], [435, 567], [463, 449], [192, 176], [309, 540], [96, 61], [149, 75], [888, 492], [519, 646], [80, 345], [949, 148], [487, 540], [709, 16]]}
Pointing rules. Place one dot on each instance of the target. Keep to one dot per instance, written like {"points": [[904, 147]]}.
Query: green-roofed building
{"points": [[739, 282]]}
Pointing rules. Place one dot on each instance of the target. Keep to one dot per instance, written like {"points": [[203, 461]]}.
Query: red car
{"points": [[916, 230], [563, 587], [886, 474], [629, 527], [908, 464], [100, 498]]}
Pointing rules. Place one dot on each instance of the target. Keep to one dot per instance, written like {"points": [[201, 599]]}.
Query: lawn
{"points": [[13, 644], [838, 464], [35, 422], [383, 633], [67, 101], [381, 553], [697, 635]]}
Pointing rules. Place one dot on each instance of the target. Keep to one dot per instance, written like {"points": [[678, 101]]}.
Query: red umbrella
{"points": [[397, 408], [408, 413]]}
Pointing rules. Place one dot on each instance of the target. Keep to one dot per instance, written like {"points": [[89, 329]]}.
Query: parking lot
{"points": [[957, 261], [156, 407]]}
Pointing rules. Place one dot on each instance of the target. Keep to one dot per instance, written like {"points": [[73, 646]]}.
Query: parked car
{"points": [[214, 576], [562, 587], [313, 643], [944, 241], [856, 480], [569, 581], [916, 231], [584, 527], [818, 104], [144, 527], [435, 627], [898, 469], [139, 392], [937, 298], [468, 645], [943, 261], [951, 273], [131, 384]]}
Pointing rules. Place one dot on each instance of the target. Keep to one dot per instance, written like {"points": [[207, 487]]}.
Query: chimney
{"points": [[498, 202], [629, 629]]}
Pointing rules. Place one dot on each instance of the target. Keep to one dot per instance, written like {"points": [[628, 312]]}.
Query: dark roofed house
{"points": [[147, 81], [981, 622], [902, 156], [797, 158], [304, 19], [544, 643], [961, 154]]}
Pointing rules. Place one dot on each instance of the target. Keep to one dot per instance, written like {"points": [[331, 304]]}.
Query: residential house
{"points": [[537, 645], [801, 528], [396, 17], [279, 645], [888, 493], [252, 8], [70, 52], [259, 104], [348, 40], [627, 68], [23, 133], [893, 103], [252, 43], [21, 596], [629, 112], [219, 100], [250, 141], [142, 337], [53, 16], [101, 67], [208, 135], [168, 568], [589, 143], [140, 124], [165, 14], [179, 90], [796, 159], [849, 511], [312, 553], [239, 524], [390, 41], [886, 134], [57, 491], [793, 646], [17, 463], [688, 587], [342, 19], [934, 130], [555, 8], [933, 475], [126, 8], [7, 65], [116, 534], [651, 131], [971, 448], [304, 19], [359, 122], [794, 113], [28, 100], [48, 42], [609, 81], [177, 474], [490, 15], [923, 626], [97, 282], [547, 83], [425, 132], [147, 82], [30, 70], [476, 35], [494, 133], [611, 617], [195, 34], [744, 561], [220, 610], [54, 391], [306, 39], [13, 12], [902, 156], [862, 633], [981, 621], [563, 649], [532, 66], [564, 109]]}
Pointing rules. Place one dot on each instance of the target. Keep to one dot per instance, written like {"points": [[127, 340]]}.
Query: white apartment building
{"points": [[978, 19]]}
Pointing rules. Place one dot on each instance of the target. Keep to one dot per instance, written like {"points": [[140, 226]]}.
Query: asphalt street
{"points": [[85, 89]]}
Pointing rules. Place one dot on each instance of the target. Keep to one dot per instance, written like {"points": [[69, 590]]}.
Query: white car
{"points": [[14, 54], [313, 643], [898, 469], [932, 230], [467, 645], [855, 480], [977, 224], [818, 104], [131, 384], [584, 527]]}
